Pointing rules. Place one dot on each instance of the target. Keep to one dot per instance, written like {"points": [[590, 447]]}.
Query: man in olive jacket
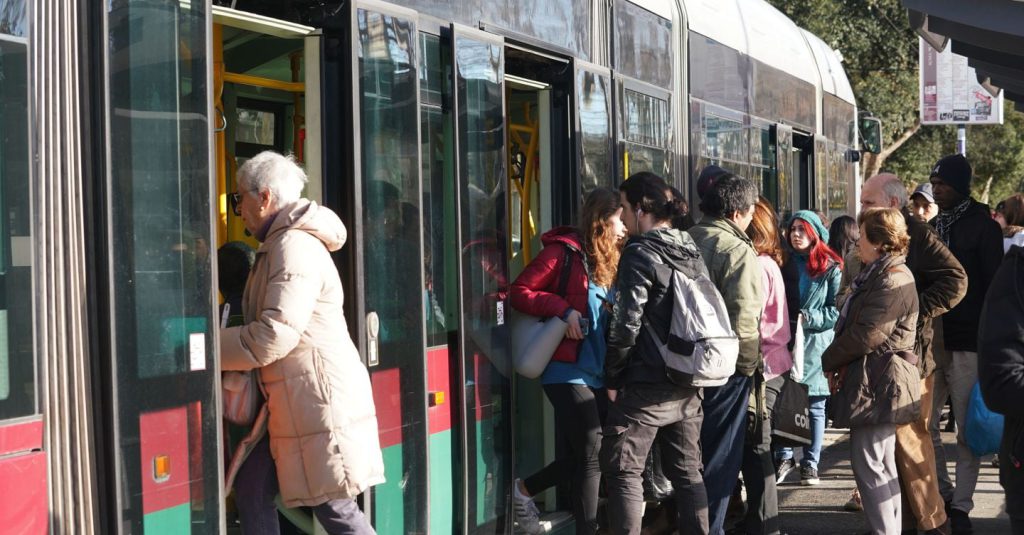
{"points": [[941, 283], [732, 265], [967, 228]]}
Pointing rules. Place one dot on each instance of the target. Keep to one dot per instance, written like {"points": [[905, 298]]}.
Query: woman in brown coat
{"points": [[316, 437], [876, 385]]}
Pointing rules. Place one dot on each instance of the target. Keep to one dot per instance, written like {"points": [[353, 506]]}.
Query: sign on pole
{"points": [[950, 92]]}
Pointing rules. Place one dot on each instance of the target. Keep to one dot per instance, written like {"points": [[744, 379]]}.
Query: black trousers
{"points": [[578, 413], [758, 467], [641, 414]]}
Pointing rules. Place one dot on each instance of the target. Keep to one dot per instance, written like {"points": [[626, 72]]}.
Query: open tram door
{"points": [[265, 95], [414, 161]]}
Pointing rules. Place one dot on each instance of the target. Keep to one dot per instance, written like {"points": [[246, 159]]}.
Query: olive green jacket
{"points": [[733, 267]]}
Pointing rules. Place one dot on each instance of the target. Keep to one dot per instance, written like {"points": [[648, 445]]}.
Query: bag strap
{"points": [[563, 280]]}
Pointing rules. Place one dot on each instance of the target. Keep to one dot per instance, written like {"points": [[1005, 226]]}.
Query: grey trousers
{"points": [[955, 375], [873, 456], [640, 414]]}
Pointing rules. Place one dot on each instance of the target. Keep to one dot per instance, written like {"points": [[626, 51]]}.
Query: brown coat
{"points": [[320, 412], [882, 315], [940, 280]]}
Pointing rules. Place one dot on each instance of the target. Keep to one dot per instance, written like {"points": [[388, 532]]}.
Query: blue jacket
{"points": [[818, 307]]}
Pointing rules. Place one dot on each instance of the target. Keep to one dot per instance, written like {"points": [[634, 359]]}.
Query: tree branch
{"points": [[873, 162]]}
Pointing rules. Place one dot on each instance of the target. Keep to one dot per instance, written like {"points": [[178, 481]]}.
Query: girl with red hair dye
{"points": [[812, 272]]}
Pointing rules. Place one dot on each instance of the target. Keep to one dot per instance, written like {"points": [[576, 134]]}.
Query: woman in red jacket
{"points": [[574, 379]]}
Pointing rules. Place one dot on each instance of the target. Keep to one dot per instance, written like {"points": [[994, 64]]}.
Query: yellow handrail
{"points": [[269, 83]]}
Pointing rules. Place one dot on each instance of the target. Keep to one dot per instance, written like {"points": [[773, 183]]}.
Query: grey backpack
{"points": [[702, 348]]}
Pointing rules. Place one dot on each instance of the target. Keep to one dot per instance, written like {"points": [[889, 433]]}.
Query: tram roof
{"points": [[990, 33], [756, 29], [830, 67]]}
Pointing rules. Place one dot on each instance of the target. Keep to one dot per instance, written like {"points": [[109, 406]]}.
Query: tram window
{"points": [[594, 101], [17, 352], [645, 133], [255, 126], [643, 44]]}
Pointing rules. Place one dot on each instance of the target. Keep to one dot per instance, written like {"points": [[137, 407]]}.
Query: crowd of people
{"points": [[877, 320], [876, 317]]}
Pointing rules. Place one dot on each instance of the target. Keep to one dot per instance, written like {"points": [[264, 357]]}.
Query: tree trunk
{"points": [[872, 163]]}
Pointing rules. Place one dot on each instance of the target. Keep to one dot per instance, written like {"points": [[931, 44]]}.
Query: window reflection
{"points": [[17, 355], [595, 130]]}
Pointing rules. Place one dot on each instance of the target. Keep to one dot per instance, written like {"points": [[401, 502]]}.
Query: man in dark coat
{"points": [[1001, 373], [967, 228]]}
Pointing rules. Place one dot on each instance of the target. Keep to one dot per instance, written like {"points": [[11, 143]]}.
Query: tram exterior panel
{"points": [[446, 134]]}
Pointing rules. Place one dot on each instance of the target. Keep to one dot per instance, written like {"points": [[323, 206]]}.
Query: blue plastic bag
{"points": [[983, 428]]}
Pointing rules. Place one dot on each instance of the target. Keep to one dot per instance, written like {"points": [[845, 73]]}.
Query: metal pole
{"points": [[961, 139]]}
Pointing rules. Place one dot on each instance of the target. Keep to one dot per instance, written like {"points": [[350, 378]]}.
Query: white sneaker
{"points": [[527, 514]]}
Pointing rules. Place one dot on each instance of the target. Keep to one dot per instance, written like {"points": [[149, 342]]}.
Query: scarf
{"points": [[944, 222], [855, 286]]}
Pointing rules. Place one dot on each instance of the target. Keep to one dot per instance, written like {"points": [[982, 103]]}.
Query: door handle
{"points": [[372, 338]]}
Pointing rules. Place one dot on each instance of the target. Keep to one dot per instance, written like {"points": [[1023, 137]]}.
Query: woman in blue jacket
{"points": [[812, 274]]}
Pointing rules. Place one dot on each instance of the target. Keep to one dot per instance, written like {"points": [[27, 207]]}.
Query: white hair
{"points": [[273, 172]]}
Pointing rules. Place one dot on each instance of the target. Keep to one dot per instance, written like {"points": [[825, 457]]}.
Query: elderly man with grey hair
{"points": [[941, 283], [319, 418]]}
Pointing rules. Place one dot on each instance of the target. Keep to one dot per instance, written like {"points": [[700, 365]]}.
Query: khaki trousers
{"points": [[915, 463]]}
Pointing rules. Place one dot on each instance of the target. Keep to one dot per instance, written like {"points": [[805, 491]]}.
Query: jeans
{"points": [[256, 488], [812, 453], [578, 411], [641, 414], [725, 411]]}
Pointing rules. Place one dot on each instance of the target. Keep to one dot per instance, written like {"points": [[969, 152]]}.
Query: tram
{"points": [[447, 135]]}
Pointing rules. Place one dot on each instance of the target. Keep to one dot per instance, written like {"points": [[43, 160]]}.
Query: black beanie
{"points": [[707, 178], [955, 172]]}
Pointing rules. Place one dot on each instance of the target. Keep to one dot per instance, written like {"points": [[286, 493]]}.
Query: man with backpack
{"points": [[728, 208], [645, 403]]}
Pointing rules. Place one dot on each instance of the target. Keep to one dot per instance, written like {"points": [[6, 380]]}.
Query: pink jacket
{"points": [[774, 329]]}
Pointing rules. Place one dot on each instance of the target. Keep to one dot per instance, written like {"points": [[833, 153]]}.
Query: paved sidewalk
{"points": [[819, 509]]}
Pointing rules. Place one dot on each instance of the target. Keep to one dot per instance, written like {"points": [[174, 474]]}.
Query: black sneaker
{"points": [[783, 469], [960, 522], [809, 475]]}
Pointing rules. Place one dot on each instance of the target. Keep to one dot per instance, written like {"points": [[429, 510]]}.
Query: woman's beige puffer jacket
{"points": [[321, 416]]}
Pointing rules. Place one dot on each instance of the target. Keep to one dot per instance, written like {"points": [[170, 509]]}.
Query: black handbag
{"points": [[791, 419]]}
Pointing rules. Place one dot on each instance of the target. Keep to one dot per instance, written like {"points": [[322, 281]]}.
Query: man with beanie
{"points": [[732, 264], [941, 283], [974, 238]]}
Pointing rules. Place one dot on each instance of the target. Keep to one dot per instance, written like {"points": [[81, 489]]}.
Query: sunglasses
{"points": [[234, 199]]}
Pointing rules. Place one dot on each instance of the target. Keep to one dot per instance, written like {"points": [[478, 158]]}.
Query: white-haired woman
{"points": [[319, 419]]}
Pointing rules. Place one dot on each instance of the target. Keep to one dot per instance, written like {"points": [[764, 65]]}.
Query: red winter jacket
{"points": [[535, 291]]}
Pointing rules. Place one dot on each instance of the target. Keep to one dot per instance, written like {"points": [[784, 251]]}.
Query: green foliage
{"points": [[881, 60], [996, 153], [879, 53]]}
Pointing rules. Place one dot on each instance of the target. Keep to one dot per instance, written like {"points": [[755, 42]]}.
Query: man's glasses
{"points": [[235, 199]]}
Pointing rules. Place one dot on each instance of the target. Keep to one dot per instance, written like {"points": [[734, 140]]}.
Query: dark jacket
{"points": [[881, 316], [1001, 368], [977, 242], [940, 280], [535, 290], [733, 267], [643, 302]]}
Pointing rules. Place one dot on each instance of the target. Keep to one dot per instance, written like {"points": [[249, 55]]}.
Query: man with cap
{"points": [[941, 283], [922, 203], [966, 227]]}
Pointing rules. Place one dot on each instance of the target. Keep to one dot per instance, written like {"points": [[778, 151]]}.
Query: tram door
{"points": [[785, 172], [428, 207]]}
